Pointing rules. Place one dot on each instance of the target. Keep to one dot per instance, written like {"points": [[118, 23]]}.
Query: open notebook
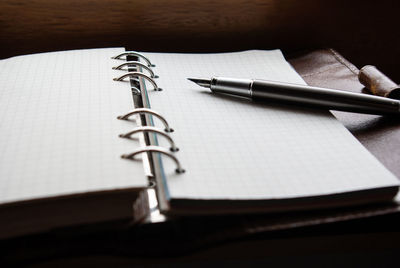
{"points": [[245, 157], [60, 151]]}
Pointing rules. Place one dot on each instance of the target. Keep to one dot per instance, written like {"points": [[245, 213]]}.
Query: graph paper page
{"points": [[236, 149], [59, 132]]}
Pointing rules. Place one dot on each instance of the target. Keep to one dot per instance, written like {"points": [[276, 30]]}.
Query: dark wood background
{"points": [[363, 31]]}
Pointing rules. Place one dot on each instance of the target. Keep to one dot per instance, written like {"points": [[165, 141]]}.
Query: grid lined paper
{"points": [[58, 127], [236, 149]]}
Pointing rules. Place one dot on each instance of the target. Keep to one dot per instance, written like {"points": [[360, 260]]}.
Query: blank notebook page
{"points": [[236, 149], [59, 132]]}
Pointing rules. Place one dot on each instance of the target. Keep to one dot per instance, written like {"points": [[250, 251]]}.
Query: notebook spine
{"points": [[134, 70]]}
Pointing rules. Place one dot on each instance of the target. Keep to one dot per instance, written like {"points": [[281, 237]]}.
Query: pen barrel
{"points": [[322, 97]]}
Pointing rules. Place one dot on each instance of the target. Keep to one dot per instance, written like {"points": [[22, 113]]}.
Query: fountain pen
{"points": [[329, 99]]}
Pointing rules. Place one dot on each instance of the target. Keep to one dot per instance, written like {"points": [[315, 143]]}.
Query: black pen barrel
{"points": [[322, 97]]}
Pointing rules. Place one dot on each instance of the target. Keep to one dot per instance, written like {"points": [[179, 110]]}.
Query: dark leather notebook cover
{"points": [[380, 135]]}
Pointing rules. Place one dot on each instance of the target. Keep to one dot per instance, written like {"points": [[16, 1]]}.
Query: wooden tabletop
{"points": [[363, 31]]}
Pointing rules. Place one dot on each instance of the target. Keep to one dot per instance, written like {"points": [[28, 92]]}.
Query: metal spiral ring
{"points": [[155, 149], [134, 53], [154, 130], [148, 111], [138, 74], [136, 63]]}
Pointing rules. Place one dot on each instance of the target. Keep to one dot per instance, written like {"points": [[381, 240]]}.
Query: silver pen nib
{"points": [[201, 82]]}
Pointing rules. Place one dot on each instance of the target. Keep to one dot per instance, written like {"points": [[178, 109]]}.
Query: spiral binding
{"points": [[134, 75]]}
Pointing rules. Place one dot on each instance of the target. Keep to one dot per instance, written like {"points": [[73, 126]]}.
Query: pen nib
{"points": [[201, 82]]}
